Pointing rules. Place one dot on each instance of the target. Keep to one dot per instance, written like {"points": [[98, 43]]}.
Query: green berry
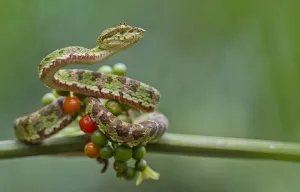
{"points": [[99, 139], [123, 153], [120, 166], [105, 69], [124, 118], [48, 98], [130, 173], [61, 93], [140, 165], [119, 69], [138, 152], [106, 152], [114, 107]]}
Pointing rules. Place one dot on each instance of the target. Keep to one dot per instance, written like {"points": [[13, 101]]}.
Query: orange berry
{"points": [[71, 104], [91, 150]]}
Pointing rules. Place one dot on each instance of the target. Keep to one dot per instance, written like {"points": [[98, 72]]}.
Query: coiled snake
{"points": [[42, 124]]}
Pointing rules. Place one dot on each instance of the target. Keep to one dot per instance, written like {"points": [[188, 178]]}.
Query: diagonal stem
{"points": [[179, 144]]}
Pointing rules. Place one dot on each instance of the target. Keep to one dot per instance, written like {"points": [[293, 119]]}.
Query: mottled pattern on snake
{"points": [[43, 123], [132, 134], [136, 94]]}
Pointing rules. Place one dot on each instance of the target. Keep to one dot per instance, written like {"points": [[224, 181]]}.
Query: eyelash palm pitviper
{"points": [[40, 125]]}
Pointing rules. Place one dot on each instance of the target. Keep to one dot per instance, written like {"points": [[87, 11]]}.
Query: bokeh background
{"points": [[224, 68]]}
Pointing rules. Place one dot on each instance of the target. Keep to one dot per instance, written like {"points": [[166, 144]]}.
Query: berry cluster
{"points": [[99, 147]]}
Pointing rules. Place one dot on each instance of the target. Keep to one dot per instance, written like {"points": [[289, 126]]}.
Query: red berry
{"points": [[91, 150], [71, 104], [87, 125]]}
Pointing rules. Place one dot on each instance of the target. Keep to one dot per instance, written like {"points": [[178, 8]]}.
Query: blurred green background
{"points": [[224, 68]]}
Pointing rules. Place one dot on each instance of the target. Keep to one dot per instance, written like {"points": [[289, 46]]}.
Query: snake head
{"points": [[120, 37]]}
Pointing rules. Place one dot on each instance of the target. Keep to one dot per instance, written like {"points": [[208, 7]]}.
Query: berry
{"points": [[123, 153], [140, 165], [87, 125], [130, 173], [91, 150], [106, 152], [124, 118], [48, 98], [105, 69], [138, 152], [114, 107], [99, 139], [119, 69], [120, 166], [71, 104]]}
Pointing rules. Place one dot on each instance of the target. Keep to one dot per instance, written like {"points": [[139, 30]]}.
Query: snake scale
{"points": [[49, 120]]}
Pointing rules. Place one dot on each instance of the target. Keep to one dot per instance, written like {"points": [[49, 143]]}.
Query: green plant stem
{"points": [[179, 144]]}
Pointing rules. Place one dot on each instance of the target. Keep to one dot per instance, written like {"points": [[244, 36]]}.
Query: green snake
{"points": [[49, 120]]}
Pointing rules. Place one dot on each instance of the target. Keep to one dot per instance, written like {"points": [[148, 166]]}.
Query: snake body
{"points": [[37, 126]]}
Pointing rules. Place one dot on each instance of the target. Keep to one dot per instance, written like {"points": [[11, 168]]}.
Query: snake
{"points": [[35, 127]]}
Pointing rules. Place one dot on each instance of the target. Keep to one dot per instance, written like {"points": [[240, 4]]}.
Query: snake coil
{"points": [[40, 125]]}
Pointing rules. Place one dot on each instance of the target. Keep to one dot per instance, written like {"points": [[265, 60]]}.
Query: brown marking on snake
{"points": [[80, 75], [133, 86], [96, 76], [108, 79], [105, 120], [96, 110], [99, 112], [151, 125], [100, 82], [122, 79], [137, 133], [122, 131]]}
